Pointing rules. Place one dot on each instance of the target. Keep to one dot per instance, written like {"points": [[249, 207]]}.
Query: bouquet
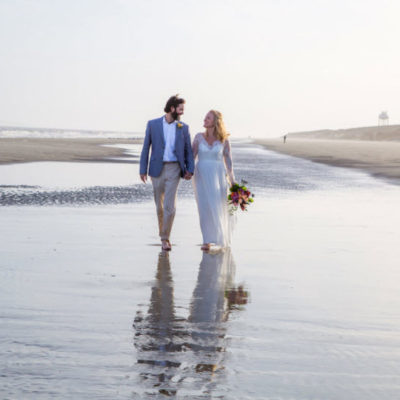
{"points": [[239, 196]]}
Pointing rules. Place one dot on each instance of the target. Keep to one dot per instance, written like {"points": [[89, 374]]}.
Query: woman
{"points": [[212, 178]]}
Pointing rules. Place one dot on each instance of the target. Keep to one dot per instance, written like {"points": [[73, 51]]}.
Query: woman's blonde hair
{"points": [[220, 131]]}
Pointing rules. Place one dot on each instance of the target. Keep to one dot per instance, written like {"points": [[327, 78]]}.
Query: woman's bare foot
{"points": [[166, 245], [206, 246]]}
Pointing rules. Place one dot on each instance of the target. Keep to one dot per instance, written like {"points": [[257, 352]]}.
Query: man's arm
{"points": [[189, 160], [144, 156]]}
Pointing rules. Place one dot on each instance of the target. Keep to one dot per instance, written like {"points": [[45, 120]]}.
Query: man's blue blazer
{"points": [[154, 140]]}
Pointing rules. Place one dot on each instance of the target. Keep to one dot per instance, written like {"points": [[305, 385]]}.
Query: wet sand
{"points": [[91, 309], [379, 158], [20, 150]]}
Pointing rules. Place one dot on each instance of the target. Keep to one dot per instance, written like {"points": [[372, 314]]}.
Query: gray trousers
{"points": [[165, 188]]}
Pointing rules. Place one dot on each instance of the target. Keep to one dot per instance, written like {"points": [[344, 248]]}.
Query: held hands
{"points": [[188, 176]]}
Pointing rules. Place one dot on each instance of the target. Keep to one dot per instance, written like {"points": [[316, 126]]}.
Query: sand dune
{"points": [[387, 133]]}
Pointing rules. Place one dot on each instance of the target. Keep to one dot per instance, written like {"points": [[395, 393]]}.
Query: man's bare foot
{"points": [[206, 246], [166, 245]]}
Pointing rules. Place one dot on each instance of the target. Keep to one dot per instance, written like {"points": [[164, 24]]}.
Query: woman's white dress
{"points": [[213, 175]]}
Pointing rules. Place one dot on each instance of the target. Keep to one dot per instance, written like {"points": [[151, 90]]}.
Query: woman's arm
{"points": [[195, 146], [228, 161]]}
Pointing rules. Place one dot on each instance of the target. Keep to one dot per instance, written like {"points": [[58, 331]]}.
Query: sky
{"points": [[270, 66]]}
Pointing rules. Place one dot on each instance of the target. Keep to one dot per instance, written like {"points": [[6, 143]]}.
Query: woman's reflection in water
{"points": [[187, 354]]}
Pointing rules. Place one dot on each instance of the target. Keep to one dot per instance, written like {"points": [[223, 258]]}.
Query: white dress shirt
{"points": [[169, 137]]}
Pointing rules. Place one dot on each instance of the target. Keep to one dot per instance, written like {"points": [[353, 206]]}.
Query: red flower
{"points": [[239, 197]]}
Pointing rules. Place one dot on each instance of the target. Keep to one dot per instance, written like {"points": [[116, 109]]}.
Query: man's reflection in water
{"points": [[174, 353]]}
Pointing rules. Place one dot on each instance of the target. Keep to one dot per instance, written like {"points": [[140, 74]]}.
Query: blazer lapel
{"points": [[161, 127], [178, 134]]}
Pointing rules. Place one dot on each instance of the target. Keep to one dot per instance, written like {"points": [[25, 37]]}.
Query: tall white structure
{"points": [[383, 118]]}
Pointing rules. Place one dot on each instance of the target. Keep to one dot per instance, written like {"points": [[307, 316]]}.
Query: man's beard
{"points": [[175, 116]]}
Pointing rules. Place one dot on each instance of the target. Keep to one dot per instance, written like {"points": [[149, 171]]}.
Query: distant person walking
{"points": [[284, 139]]}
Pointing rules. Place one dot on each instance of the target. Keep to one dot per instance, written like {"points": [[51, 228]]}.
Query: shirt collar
{"points": [[166, 122]]}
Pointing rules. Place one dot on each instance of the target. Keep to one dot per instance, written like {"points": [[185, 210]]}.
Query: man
{"points": [[171, 159]]}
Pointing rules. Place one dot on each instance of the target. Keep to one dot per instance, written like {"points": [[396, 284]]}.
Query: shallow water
{"points": [[91, 309]]}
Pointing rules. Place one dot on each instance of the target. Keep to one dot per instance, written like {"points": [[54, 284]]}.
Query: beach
{"points": [[379, 158], [25, 149], [296, 107], [92, 309]]}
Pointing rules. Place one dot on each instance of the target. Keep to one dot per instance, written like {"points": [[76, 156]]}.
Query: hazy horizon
{"points": [[142, 132], [271, 67]]}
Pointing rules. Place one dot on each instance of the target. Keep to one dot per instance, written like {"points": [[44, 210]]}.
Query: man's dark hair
{"points": [[173, 101]]}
